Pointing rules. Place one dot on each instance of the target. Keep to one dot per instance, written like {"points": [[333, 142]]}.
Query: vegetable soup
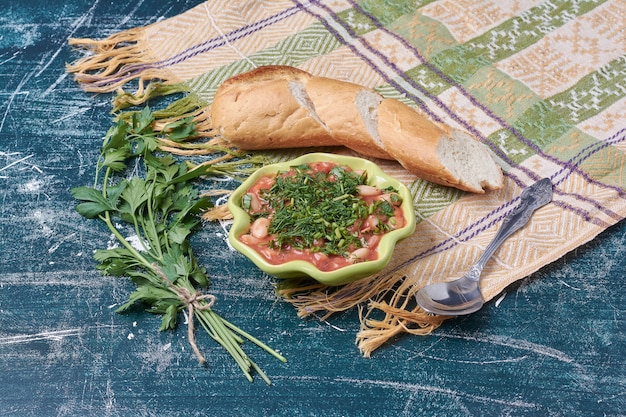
{"points": [[320, 212]]}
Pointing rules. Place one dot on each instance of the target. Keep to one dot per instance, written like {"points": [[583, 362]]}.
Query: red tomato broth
{"points": [[364, 228]]}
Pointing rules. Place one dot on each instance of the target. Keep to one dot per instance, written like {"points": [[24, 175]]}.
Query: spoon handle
{"points": [[533, 197]]}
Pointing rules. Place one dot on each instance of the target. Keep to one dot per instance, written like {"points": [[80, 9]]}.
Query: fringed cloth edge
{"points": [[113, 62], [390, 295], [116, 61]]}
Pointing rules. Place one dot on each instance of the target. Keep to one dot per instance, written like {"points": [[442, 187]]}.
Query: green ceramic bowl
{"points": [[299, 268]]}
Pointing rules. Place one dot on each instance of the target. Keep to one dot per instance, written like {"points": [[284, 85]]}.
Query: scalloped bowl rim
{"points": [[300, 268]]}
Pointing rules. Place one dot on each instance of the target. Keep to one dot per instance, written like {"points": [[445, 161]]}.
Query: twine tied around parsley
{"points": [[193, 300]]}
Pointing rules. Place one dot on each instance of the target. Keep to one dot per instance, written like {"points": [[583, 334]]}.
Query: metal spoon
{"points": [[463, 295]]}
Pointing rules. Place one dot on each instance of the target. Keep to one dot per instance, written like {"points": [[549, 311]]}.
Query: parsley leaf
{"points": [[93, 202]]}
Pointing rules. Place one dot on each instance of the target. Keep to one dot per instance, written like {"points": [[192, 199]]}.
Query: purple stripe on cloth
{"points": [[469, 232], [500, 212], [133, 70], [488, 221], [230, 37]]}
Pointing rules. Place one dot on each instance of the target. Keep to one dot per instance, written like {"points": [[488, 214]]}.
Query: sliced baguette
{"points": [[276, 107]]}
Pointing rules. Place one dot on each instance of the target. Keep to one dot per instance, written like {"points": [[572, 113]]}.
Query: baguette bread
{"points": [[276, 107]]}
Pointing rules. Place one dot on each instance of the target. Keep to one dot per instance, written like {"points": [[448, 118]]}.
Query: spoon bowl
{"points": [[455, 298], [462, 296]]}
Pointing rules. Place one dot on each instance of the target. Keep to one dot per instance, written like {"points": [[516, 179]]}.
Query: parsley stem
{"points": [[152, 226], [138, 233], [261, 373], [256, 341], [225, 338], [227, 335], [107, 220]]}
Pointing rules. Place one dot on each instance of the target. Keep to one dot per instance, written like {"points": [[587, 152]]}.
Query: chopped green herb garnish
{"points": [[319, 211]]}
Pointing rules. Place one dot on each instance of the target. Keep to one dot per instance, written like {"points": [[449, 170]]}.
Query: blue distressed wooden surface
{"points": [[554, 345]]}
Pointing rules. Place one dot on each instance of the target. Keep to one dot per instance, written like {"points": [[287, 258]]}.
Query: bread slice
{"points": [[437, 152], [342, 106]]}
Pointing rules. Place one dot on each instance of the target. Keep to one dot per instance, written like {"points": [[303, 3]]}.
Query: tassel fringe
{"points": [[188, 107], [113, 62], [375, 333], [125, 99], [368, 295]]}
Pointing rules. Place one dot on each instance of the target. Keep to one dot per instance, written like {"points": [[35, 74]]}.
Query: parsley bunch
{"points": [[160, 205]]}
